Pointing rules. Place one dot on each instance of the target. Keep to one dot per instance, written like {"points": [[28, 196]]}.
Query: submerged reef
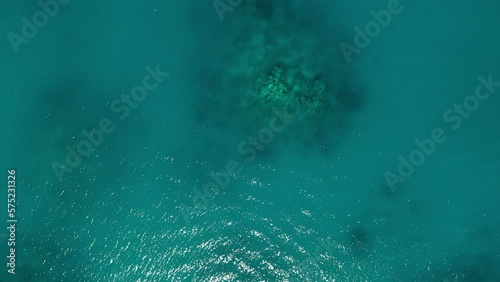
{"points": [[269, 55], [276, 67], [278, 87]]}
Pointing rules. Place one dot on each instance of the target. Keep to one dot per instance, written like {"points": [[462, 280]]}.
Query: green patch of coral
{"points": [[282, 85], [274, 62], [273, 91]]}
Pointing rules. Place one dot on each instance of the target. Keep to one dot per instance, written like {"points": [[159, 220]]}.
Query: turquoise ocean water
{"points": [[312, 202]]}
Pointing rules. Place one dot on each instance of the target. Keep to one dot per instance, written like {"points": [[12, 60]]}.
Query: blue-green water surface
{"points": [[153, 200]]}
